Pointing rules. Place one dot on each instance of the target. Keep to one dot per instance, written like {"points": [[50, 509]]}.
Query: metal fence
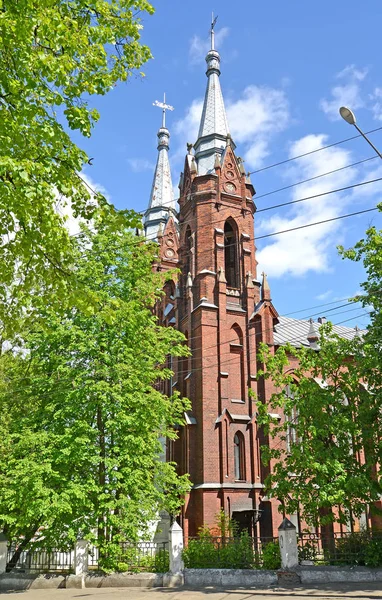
{"points": [[359, 548], [232, 552], [152, 557], [43, 561]]}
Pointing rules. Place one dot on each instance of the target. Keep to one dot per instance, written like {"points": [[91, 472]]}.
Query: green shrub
{"points": [[271, 557]]}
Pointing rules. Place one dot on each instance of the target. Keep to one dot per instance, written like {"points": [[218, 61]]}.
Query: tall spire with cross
{"points": [[213, 130], [162, 202]]}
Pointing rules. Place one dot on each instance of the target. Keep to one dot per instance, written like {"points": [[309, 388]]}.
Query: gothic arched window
{"points": [[231, 262], [239, 456], [236, 378]]}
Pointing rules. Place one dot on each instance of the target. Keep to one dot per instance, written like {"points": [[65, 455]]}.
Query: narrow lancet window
{"points": [[231, 263], [239, 459]]}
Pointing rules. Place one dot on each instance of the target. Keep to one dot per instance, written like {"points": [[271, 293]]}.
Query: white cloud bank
{"points": [[304, 250], [254, 118], [348, 93]]}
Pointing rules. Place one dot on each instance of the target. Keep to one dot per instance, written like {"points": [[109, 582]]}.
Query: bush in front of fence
{"points": [[239, 552], [134, 562], [357, 549]]}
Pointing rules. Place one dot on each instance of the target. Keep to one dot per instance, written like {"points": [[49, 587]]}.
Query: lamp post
{"points": [[349, 117]]}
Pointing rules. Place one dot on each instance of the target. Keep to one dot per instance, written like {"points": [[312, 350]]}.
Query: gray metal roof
{"points": [[213, 129], [295, 332], [162, 202]]}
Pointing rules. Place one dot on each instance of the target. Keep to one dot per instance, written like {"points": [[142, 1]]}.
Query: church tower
{"points": [[160, 220], [224, 314]]}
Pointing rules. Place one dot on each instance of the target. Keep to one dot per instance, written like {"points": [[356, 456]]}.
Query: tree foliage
{"points": [[82, 417], [325, 447], [325, 453], [55, 54]]}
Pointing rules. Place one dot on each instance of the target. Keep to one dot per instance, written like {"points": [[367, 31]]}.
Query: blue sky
{"points": [[286, 69]]}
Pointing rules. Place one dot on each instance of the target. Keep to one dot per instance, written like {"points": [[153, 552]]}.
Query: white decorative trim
{"points": [[219, 486], [205, 305], [236, 401], [188, 376], [247, 251], [219, 231], [245, 236], [223, 374], [274, 416], [220, 245], [206, 271]]}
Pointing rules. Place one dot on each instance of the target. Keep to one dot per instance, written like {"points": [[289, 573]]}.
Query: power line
{"points": [[342, 189], [283, 162], [292, 185], [359, 212], [306, 198]]}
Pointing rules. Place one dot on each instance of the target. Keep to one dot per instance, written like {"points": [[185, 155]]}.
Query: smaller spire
{"points": [[221, 276], [189, 281], [162, 201], [265, 289], [249, 280], [358, 333], [312, 336]]}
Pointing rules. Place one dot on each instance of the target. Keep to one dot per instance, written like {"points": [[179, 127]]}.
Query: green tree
{"points": [[327, 451], [82, 414], [55, 54], [330, 420]]}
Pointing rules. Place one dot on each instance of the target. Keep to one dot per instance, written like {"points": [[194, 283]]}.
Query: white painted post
{"points": [[81, 556], [176, 549], [3, 552], [288, 545]]}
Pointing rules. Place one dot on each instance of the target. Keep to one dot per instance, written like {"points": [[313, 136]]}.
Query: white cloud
{"points": [[346, 94], [253, 118], [64, 208], [324, 295], [376, 97], [304, 250], [199, 47], [260, 112], [140, 164]]}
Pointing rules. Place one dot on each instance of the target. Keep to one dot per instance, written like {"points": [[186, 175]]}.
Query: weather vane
{"points": [[164, 107], [212, 30]]}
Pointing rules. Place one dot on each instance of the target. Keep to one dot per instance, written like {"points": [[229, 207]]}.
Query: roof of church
{"points": [[296, 332], [213, 129], [162, 202]]}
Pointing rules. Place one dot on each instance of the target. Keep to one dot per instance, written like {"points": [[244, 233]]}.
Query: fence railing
{"points": [[232, 552], [359, 548], [135, 557], [43, 561]]}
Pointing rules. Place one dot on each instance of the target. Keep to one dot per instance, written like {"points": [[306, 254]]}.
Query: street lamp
{"points": [[349, 117]]}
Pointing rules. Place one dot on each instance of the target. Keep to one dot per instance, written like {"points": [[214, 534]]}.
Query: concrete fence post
{"points": [[3, 552], [176, 549], [288, 545], [81, 557]]}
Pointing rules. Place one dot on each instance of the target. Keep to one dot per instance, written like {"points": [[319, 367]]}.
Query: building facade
{"points": [[224, 308]]}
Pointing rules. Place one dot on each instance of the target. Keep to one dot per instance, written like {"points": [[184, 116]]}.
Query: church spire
{"points": [[213, 128], [162, 202]]}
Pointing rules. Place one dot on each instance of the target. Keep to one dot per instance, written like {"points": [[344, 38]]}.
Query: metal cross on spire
{"points": [[212, 31], [164, 107]]}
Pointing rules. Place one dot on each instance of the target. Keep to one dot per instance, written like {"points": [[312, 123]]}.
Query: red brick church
{"points": [[224, 310]]}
